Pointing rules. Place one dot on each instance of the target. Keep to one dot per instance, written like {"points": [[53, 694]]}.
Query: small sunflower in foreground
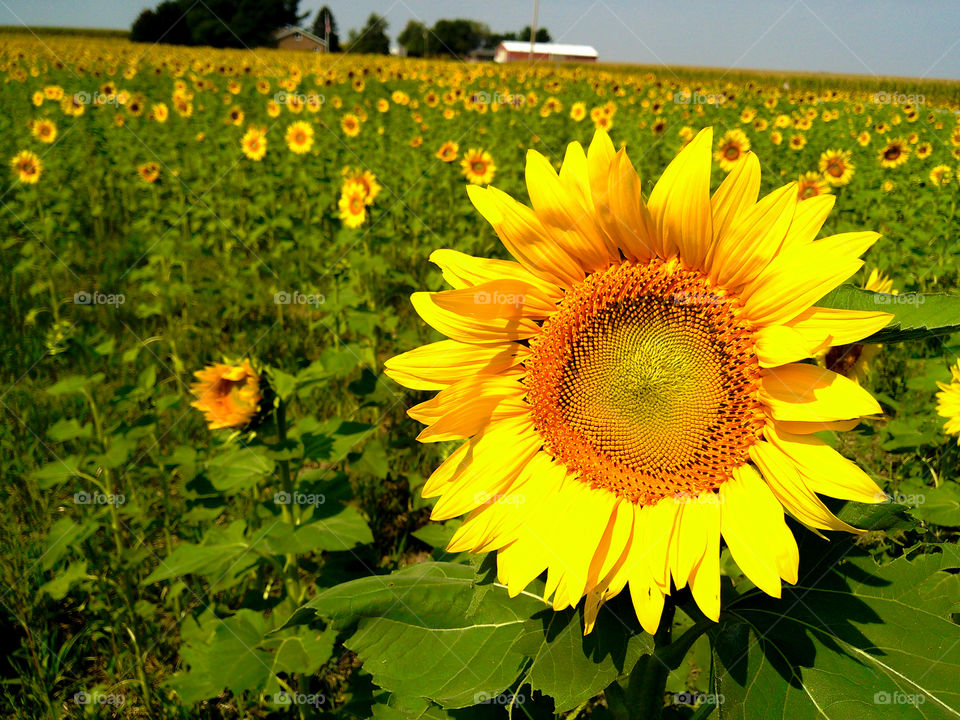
{"points": [[299, 137], [350, 124], [448, 151], [478, 166], [27, 167], [353, 204], [810, 185], [836, 167], [44, 130], [733, 147], [941, 175], [367, 179], [948, 402], [254, 143], [631, 389], [894, 153], [149, 172], [228, 395]]}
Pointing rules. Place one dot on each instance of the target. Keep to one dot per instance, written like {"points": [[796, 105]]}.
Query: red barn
{"points": [[519, 51]]}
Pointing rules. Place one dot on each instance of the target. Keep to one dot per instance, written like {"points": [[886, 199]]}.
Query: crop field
{"points": [[267, 215]]}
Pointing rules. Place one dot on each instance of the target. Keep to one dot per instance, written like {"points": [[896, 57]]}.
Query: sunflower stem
{"points": [[648, 681]]}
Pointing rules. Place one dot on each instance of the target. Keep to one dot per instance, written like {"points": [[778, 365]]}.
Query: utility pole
{"points": [[533, 28]]}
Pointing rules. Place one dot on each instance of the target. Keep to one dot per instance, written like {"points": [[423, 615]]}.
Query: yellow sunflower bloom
{"points": [[299, 137], [811, 184], [254, 143], [228, 395], [367, 179], [733, 147], [44, 130], [350, 124], [948, 402], [629, 390], [836, 167], [353, 204], [27, 167], [448, 151], [149, 172], [478, 167], [894, 153], [941, 175]]}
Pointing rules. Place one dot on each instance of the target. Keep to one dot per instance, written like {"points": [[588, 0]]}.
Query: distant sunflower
{"points": [[948, 402], [149, 172], [798, 142], [836, 167], [578, 111], [732, 148], [631, 389], [478, 167], [27, 167], [941, 175], [350, 124], [228, 395], [353, 204], [854, 360], [894, 153], [924, 150], [448, 151], [367, 180], [254, 143], [235, 116], [299, 137], [863, 139], [810, 185], [44, 130]]}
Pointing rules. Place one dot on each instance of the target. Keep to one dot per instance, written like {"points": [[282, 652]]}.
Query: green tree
{"points": [[543, 35], [219, 23], [372, 38], [325, 16], [413, 38], [456, 37]]}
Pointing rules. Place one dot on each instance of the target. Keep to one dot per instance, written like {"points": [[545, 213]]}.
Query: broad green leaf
{"points": [[74, 384], [427, 631], [939, 506], [57, 471], [60, 585], [852, 640], [915, 315], [239, 468], [63, 430]]}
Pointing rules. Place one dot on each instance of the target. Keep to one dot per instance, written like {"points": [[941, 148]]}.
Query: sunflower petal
{"points": [[441, 364], [812, 394], [463, 328], [737, 193], [680, 202], [752, 524], [464, 271]]}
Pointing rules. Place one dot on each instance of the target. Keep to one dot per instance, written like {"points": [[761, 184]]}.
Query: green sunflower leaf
{"points": [[860, 640], [915, 315]]}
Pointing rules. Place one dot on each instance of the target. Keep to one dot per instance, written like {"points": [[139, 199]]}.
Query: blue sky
{"points": [[871, 37]]}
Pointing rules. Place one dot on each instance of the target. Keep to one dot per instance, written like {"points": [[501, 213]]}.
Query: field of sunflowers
{"points": [[216, 505]]}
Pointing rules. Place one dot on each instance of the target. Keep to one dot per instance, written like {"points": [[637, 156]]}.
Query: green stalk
{"points": [[289, 511]]}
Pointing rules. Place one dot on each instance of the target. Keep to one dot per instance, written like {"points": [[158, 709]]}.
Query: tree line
{"points": [[252, 23]]}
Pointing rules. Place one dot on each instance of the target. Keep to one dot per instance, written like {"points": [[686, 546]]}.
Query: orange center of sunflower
{"points": [[732, 152], [356, 205], [645, 382], [892, 153], [479, 167], [835, 167]]}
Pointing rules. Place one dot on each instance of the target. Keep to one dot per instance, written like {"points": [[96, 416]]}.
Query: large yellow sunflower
{"points": [[630, 389], [948, 402]]}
